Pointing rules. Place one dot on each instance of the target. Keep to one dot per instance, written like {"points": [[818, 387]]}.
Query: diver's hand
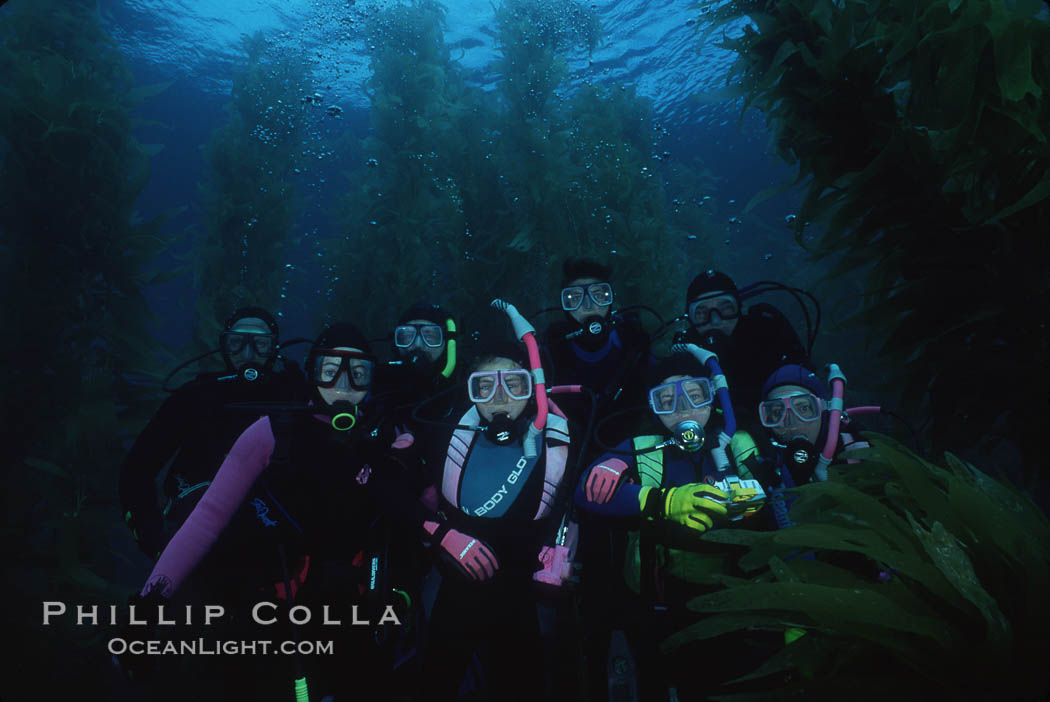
{"points": [[694, 505], [603, 480], [472, 557]]}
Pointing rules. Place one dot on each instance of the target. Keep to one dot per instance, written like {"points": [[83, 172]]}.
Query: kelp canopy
{"points": [[919, 129], [911, 580], [489, 191]]}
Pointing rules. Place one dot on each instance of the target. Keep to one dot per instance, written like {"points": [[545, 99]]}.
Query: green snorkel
{"points": [[450, 346], [301, 693]]}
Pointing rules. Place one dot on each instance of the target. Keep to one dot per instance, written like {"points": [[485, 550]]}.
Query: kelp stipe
{"points": [[250, 198], [76, 259]]}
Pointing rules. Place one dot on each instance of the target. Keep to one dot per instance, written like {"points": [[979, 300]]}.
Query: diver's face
{"points": [[342, 392], [683, 410], [792, 427], [714, 312], [500, 403], [248, 354], [432, 353], [587, 308]]}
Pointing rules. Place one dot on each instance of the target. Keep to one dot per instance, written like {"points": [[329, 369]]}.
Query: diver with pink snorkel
{"points": [[503, 493], [809, 428]]}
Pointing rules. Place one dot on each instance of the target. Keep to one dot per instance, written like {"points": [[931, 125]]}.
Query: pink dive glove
{"points": [[472, 556], [603, 480]]}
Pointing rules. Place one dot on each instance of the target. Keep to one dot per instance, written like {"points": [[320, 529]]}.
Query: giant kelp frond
{"points": [[401, 216], [937, 573], [486, 192], [919, 129], [250, 199]]}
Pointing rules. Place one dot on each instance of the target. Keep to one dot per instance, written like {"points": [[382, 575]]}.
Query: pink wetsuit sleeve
{"points": [[246, 461]]}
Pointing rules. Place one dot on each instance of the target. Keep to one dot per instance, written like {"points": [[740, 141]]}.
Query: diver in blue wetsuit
{"points": [[665, 487], [797, 411], [596, 347]]}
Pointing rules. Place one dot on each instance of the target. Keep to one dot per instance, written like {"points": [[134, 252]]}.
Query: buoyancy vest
{"points": [[461, 450]]}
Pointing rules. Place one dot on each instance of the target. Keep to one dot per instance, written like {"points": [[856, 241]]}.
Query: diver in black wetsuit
{"points": [[425, 343], [750, 345], [498, 490], [194, 428], [299, 494]]}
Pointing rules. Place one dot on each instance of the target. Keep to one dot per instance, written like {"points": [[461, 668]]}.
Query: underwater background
{"points": [[163, 163]]}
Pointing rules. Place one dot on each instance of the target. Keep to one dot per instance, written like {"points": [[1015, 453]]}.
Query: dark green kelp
{"points": [[910, 579], [250, 198], [74, 266], [919, 131]]}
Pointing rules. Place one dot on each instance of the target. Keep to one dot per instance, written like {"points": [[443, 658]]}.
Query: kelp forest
{"points": [[917, 134]]}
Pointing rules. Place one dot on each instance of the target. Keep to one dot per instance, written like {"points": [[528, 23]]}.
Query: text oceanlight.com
{"points": [[204, 647]]}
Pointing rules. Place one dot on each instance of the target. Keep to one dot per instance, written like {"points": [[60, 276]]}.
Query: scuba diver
{"points": [[666, 487], [501, 489], [805, 424], [750, 345], [299, 493], [194, 429], [425, 344], [595, 347]]}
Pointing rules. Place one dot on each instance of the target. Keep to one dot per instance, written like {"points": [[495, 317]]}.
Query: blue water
{"points": [[654, 47]]}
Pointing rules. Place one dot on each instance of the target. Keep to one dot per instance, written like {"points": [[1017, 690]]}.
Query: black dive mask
{"points": [[800, 457], [688, 435], [502, 430], [232, 343]]}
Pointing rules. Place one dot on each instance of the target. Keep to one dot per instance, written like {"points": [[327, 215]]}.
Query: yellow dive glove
{"points": [[694, 505]]}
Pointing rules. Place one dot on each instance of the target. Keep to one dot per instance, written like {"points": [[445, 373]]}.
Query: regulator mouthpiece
{"points": [[689, 435], [501, 430]]}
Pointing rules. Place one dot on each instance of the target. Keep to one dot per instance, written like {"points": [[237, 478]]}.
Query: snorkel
{"points": [[526, 333], [450, 349], [838, 388], [745, 496], [718, 380], [839, 416]]}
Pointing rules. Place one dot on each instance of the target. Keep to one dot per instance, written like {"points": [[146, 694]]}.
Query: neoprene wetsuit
{"points": [[496, 494], [194, 429]]}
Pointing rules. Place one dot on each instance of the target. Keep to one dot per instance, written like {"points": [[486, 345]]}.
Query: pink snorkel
{"points": [[838, 389], [839, 416], [526, 333]]}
